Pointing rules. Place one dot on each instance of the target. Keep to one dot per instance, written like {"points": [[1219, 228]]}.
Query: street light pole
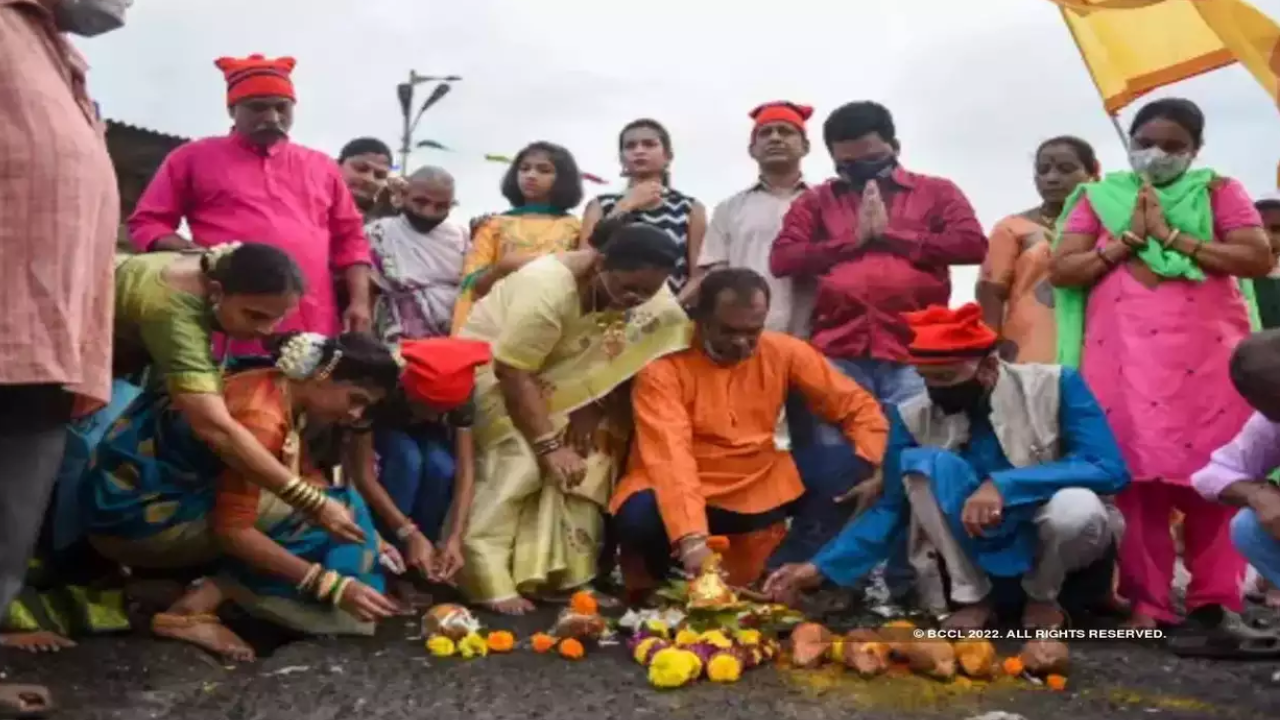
{"points": [[405, 92]]}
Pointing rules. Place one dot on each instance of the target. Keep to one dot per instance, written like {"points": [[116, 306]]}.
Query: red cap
{"points": [[441, 372], [943, 336], [257, 76], [782, 111]]}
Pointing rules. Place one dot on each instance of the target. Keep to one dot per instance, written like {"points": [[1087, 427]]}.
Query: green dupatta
{"points": [[1187, 207]]}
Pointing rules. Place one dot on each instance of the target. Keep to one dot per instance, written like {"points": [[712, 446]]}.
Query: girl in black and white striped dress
{"points": [[644, 148]]}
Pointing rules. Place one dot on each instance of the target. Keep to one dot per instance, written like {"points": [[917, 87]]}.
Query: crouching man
{"points": [[1242, 473], [998, 471], [704, 461]]}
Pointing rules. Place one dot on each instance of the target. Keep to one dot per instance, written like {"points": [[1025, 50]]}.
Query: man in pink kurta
{"points": [[255, 185]]}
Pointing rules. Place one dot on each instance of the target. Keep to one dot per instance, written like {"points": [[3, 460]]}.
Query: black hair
{"points": [[658, 128], [566, 192], [742, 282], [855, 120], [1085, 153], [255, 269], [364, 146], [633, 246], [364, 361], [1176, 110], [1255, 365]]}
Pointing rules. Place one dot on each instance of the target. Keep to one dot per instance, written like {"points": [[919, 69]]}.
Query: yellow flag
{"points": [[1135, 46]]}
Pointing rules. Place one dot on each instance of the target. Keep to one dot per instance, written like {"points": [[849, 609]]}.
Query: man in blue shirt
{"points": [[998, 471]]}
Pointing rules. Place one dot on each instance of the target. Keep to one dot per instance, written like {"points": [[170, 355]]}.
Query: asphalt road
{"points": [[391, 677]]}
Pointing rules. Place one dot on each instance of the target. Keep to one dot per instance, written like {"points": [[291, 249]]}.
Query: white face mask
{"points": [[1158, 165], [89, 18]]}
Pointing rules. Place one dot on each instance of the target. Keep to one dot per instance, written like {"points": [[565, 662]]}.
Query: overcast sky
{"points": [[972, 90]]}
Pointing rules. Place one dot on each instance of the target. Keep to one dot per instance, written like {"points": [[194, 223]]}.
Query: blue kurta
{"points": [[1091, 459]]}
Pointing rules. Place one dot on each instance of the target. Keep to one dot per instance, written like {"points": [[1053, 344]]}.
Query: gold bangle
{"points": [[1173, 236], [289, 492], [311, 499], [312, 573], [343, 584]]}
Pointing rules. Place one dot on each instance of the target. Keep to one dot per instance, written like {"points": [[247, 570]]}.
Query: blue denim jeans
{"points": [[829, 468], [1258, 546], [638, 524], [416, 467]]}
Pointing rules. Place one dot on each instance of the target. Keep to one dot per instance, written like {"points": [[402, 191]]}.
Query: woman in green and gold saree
{"points": [[568, 332]]}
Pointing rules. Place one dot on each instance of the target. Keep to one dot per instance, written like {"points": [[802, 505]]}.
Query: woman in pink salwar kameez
{"points": [[1150, 309]]}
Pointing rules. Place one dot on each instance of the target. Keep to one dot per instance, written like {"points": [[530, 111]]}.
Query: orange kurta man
{"points": [[705, 447]]}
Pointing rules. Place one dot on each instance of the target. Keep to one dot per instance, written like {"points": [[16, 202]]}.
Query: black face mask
{"points": [[421, 223], [860, 172], [955, 399]]}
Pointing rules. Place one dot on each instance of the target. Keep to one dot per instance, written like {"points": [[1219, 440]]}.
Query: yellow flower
{"points": [[686, 637], [473, 645], [643, 648], [716, 638], [673, 668], [747, 637], [724, 668], [658, 628], [836, 652], [441, 646]]}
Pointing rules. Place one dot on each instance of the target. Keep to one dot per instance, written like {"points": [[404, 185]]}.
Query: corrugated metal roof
{"points": [[175, 139]]}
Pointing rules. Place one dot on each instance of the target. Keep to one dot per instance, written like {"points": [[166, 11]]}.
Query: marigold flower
{"points": [[584, 603], [543, 643], [473, 645], [645, 648], [572, 649], [747, 637], [686, 637], [1056, 682], [718, 543], [673, 668], [658, 628], [716, 638], [1013, 666], [441, 646], [500, 641], [724, 668]]}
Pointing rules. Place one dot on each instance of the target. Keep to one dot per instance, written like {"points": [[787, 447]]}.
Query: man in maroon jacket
{"points": [[878, 241]]}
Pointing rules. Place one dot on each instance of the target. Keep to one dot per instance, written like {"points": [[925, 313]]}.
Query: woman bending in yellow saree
{"points": [[567, 332]]}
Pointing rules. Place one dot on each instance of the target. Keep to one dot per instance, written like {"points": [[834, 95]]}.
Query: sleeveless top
{"points": [[671, 217]]}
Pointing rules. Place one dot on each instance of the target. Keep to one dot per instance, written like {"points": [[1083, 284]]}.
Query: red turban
{"points": [[256, 76], [942, 335], [441, 372], [782, 112]]}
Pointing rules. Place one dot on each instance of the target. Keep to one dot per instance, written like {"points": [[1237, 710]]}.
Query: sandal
{"points": [[19, 702], [1230, 638]]}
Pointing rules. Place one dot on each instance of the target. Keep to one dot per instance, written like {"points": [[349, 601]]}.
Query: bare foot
{"points": [[40, 641], [24, 701], [514, 606], [969, 617], [205, 632], [1042, 616], [1140, 621]]}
